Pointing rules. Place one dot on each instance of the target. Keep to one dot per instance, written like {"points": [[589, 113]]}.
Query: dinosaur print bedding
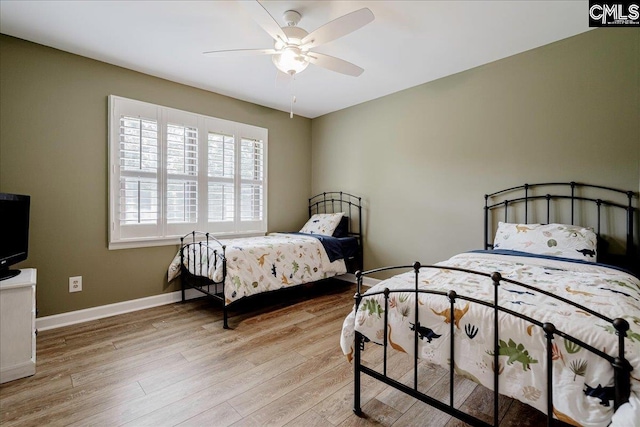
{"points": [[261, 264], [582, 381]]}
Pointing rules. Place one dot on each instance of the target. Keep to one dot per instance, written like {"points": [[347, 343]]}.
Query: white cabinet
{"points": [[18, 326]]}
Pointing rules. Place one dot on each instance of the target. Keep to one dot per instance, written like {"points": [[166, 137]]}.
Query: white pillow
{"points": [[322, 224], [561, 240]]}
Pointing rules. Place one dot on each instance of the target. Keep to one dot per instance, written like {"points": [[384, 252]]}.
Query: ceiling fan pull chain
{"points": [[293, 101], [292, 92]]}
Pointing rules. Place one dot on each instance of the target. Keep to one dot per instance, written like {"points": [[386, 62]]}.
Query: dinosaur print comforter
{"points": [[582, 381], [261, 264]]}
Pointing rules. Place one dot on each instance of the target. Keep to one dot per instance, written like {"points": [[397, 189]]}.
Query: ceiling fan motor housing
{"points": [[291, 17]]}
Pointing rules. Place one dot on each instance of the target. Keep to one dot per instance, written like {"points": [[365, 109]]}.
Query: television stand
{"points": [[18, 326], [8, 274]]}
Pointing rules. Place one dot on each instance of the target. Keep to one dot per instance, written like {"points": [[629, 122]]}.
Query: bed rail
{"points": [[621, 366]]}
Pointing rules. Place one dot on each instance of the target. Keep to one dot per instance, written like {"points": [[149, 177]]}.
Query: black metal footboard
{"points": [[622, 368], [201, 247]]}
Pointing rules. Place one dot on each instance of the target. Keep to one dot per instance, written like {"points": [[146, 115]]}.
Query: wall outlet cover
{"points": [[75, 284]]}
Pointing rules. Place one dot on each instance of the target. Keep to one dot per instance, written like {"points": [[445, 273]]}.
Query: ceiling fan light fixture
{"points": [[290, 60]]}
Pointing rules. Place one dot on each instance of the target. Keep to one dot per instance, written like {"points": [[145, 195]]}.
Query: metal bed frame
{"points": [[621, 366], [197, 245]]}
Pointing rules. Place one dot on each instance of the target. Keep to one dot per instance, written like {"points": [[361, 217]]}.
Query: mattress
{"points": [[266, 263]]}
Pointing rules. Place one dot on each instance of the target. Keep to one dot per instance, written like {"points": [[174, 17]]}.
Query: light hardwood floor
{"points": [[175, 365]]}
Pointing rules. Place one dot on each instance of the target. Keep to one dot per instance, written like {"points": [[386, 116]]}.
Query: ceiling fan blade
{"points": [[338, 27], [264, 19], [240, 52], [334, 64]]}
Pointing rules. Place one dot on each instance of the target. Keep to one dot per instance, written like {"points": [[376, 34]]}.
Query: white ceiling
{"points": [[408, 43]]}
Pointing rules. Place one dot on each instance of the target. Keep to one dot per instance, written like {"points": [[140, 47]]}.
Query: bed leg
{"points": [[225, 317], [621, 366], [356, 374], [622, 381]]}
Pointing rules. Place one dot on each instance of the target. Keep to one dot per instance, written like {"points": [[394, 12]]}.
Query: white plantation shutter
{"points": [[182, 174], [172, 172], [251, 175], [221, 173], [138, 171], [138, 200], [221, 202], [182, 201]]}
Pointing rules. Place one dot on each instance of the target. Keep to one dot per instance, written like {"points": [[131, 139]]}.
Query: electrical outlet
{"points": [[75, 284]]}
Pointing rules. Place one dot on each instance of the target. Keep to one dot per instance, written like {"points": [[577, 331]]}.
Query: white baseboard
{"points": [[94, 313], [100, 312], [350, 277]]}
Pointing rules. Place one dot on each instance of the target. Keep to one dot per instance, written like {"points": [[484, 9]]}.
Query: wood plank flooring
{"points": [[280, 365]]}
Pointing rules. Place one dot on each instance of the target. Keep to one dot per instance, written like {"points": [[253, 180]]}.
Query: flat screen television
{"points": [[14, 232]]}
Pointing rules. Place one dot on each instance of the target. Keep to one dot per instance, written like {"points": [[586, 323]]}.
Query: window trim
{"points": [[118, 106]]}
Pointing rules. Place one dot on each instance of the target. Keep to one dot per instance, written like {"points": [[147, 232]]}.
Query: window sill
{"points": [[169, 241]]}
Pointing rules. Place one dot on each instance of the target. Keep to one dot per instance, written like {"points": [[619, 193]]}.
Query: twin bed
{"points": [[534, 317], [329, 244]]}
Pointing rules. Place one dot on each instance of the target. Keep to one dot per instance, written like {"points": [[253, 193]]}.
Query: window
{"points": [[172, 172]]}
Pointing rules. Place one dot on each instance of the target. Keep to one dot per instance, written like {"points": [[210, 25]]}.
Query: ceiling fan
{"points": [[292, 53]]}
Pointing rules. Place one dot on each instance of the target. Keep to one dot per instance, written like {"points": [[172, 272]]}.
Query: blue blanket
{"points": [[336, 247], [527, 254]]}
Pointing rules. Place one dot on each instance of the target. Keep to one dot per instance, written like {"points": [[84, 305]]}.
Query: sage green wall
{"points": [[53, 146], [566, 111], [423, 158]]}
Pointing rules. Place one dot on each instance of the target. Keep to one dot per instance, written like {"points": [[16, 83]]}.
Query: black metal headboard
{"points": [[522, 205], [338, 201]]}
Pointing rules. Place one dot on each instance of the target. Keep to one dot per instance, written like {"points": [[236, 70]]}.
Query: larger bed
{"points": [[549, 304], [230, 270]]}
